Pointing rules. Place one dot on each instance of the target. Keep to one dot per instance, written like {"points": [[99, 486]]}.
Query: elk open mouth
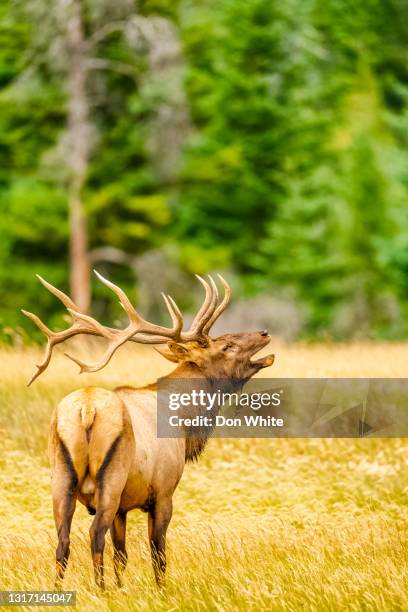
{"points": [[263, 362]]}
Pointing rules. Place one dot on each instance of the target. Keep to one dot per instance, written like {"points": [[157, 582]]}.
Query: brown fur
{"points": [[104, 450]]}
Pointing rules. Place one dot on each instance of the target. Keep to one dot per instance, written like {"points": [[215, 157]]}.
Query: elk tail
{"points": [[88, 413]]}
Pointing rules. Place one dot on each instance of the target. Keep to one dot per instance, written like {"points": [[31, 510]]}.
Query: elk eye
{"points": [[227, 347]]}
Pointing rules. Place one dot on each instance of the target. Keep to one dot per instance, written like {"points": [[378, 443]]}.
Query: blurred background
{"points": [[264, 140]]}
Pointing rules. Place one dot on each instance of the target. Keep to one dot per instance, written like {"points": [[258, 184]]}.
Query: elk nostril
{"points": [[264, 332]]}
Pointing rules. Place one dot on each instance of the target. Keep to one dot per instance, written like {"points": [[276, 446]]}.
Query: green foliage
{"points": [[291, 177], [126, 207], [294, 173]]}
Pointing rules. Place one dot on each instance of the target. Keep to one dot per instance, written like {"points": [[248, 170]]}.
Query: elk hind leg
{"points": [[106, 510], [118, 534], [64, 494], [110, 482]]}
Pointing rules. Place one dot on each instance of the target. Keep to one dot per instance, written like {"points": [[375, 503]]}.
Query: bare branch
{"points": [[105, 31], [113, 255], [99, 63]]}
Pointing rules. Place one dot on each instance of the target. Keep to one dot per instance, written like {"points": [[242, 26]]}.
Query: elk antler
{"points": [[138, 329]]}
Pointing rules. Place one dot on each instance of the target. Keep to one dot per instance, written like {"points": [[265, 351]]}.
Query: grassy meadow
{"points": [[258, 524]]}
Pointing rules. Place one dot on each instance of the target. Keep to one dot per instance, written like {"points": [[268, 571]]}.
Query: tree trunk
{"points": [[78, 157]]}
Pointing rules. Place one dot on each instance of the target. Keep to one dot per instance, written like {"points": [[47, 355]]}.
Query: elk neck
{"points": [[190, 372]]}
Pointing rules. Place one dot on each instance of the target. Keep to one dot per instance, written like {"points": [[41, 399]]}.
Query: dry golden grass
{"points": [[258, 524]]}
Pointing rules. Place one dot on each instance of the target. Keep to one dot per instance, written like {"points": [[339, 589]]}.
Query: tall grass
{"points": [[258, 524]]}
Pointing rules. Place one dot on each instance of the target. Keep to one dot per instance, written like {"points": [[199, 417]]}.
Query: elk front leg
{"points": [[118, 534], [158, 521]]}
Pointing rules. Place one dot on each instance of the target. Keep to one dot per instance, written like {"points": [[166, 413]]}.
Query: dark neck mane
{"points": [[196, 443]]}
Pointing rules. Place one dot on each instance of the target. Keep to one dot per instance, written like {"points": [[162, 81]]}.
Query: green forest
{"points": [[264, 140]]}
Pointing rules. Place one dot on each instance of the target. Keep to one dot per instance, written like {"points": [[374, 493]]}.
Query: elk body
{"points": [[103, 445]]}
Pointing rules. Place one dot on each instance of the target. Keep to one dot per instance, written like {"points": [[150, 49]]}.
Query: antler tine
{"points": [[216, 296], [138, 323], [48, 351], [80, 363], [205, 312], [118, 339], [175, 313], [46, 330], [142, 338], [195, 325], [116, 342], [174, 304], [123, 298], [44, 364], [139, 338], [58, 293], [205, 305], [81, 325], [54, 338], [221, 306], [99, 329], [213, 304], [138, 329]]}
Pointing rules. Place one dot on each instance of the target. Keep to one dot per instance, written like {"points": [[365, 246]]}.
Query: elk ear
{"points": [[173, 352]]}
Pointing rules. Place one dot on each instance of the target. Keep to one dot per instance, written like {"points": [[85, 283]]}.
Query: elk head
{"points": [[227, 356]]}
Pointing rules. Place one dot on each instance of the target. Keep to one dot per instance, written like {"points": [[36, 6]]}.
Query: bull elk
{"points": [[103, 445]]}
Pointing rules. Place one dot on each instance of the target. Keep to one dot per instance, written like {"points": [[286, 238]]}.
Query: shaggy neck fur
{"points": [[195, 444]]}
